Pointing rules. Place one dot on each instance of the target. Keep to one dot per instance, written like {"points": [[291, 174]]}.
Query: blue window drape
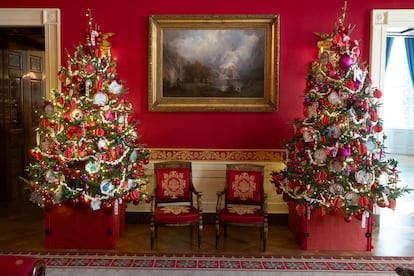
{"points": [[389, 41], [409, 47]]}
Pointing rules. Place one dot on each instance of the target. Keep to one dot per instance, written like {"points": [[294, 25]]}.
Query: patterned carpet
{"points": [[59, 264]]}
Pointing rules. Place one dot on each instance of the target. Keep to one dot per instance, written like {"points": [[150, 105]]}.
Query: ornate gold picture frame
{"points": [[213, 63]]}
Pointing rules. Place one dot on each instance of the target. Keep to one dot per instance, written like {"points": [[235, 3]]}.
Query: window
{"points": [[398, 90]]}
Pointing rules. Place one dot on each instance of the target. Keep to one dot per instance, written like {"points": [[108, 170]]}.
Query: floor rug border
{"points": [[220, 262]]}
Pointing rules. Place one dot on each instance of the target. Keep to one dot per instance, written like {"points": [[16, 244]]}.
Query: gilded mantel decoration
{"points": [[249, 155]]}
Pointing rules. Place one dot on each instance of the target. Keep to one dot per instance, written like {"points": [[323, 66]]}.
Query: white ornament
{"points": [[359, 74], [336, 189], [383, 179], [121, 120], [49, 109], [100, 98], [334, 98], [130, 183], [309, 135], [115, 87], [76, 115], [44, 144], [335, 166], [88, 86], [312, 110], [333, 131], [50, 176], [102, 144], [95, 204], [92, 166], [370, 145], [106, 186], [364, 177], [352, 198], [320, 156], [94, 35], [133, 157]]}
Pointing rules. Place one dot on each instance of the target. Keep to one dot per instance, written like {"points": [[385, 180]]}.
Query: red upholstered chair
{"points": [[175, 201], [22, 265], [243, 201]]}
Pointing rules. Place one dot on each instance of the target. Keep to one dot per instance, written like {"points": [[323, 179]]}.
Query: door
{"points": [[21, 99]]}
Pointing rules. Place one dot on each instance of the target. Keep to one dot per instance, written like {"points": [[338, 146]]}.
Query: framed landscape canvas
{"points": [[213, 63]]}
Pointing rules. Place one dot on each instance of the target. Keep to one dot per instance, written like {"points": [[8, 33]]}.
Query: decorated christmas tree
{"points": [[88, 149], [336, 159]]}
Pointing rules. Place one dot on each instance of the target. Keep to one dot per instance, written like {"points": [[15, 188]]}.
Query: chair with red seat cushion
{"points": [[173, 202], [243, 201], [22, 265]]}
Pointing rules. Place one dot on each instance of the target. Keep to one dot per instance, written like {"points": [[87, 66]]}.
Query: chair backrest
{"points": [[244, 184], [173, 181]]}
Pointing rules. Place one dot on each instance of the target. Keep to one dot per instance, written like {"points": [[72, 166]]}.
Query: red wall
{"points": [[300, 19]]}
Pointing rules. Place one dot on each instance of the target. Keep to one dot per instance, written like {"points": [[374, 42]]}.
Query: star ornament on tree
{"points": [[336, 161], [88, 148]]}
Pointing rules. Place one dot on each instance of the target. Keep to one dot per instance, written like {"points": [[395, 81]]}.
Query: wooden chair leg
{"points": [[199, 235], [217, 234], [265, 234], [152, 236]]}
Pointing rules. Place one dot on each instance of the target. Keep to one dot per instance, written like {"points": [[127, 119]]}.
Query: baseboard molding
{"points": [[209, 218]]}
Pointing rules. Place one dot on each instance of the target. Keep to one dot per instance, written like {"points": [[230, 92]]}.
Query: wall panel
{"points": [[209, 167]]}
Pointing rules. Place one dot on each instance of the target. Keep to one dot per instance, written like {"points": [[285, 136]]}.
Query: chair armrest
{"points": [[219, 204], [265, 203], [153, 203], [198, 197]]}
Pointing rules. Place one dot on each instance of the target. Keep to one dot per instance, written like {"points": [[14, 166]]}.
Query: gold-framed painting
{"points": [[201, 63]]}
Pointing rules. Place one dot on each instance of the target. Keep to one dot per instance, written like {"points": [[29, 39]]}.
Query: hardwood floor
{"points": [[21, 230]]}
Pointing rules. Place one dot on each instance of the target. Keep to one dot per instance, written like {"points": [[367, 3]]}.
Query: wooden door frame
{"points": [[50, 20]]}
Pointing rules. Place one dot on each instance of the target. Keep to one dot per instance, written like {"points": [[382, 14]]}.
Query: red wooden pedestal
{"points": [[76, 227], [330, 232]]}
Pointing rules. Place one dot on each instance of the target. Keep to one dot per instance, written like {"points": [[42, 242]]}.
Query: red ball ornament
{"points": [[363, 201], [99, 132], [89, 68], [286, 197], [392, 203], [348, 219], [135, 195], [81, 198], [378, 128], [377, 93], [128, 199]]}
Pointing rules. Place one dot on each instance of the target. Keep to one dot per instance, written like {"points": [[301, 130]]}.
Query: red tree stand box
{"points": [[330, 232], [78, 227]]}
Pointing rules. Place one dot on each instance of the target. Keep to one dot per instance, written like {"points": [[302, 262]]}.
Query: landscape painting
{"points": [[204, 63], [213, 63]]}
